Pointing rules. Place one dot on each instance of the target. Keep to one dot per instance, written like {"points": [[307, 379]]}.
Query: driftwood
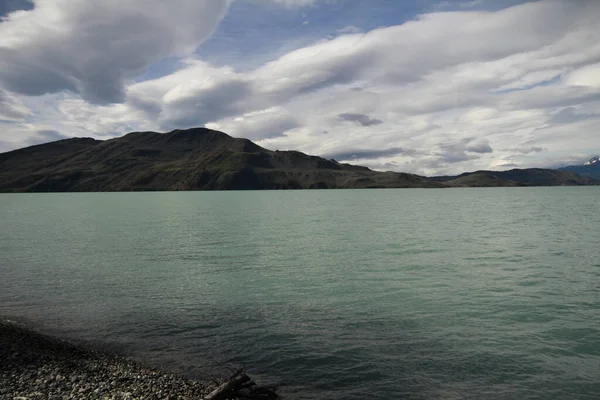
{"points": [[240, 386]]}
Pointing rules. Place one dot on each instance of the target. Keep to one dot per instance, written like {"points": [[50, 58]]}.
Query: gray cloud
{"points": [[479, 146], [32, 139], [368, 153], [5, 146], [455, 157], [508, 165], [224, 99], [527, 150], [471, 144], [569, 115], [92, 48], [467, 149], [442, 164], [551, 97], [275, 129], [360, 119], [45, 136]]}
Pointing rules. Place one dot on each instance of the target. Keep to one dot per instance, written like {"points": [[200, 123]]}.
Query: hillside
{"points": [[204, 159], [193, 159]]}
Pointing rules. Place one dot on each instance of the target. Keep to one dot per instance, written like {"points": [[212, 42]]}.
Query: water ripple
{"points": [[396, 294]]}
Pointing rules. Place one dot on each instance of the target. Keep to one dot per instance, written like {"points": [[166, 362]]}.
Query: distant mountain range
{"points": [[590, 169], [517, 177], [204, 159]]}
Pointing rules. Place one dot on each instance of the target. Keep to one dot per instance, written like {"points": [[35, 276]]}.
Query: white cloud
{"points": [[12, 108], [69, 116], [258, 125], [97, 120], [586, 76]]}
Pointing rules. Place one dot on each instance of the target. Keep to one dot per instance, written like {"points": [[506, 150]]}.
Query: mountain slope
{"points": [[516, 177], [193, 159], [590, 169]]}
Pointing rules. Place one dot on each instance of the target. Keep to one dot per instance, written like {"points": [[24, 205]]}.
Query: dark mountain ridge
{"points": [[204, 159]]}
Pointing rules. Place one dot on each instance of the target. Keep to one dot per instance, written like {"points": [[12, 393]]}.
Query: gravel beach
{"points": [[35, 366]]}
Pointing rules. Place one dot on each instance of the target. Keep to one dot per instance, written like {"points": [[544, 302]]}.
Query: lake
{"points": [[335, 294]]}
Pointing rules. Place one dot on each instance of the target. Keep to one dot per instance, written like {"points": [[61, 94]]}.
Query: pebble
{"points": [[36, 367]]}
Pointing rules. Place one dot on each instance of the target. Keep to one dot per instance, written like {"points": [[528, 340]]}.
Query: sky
{"points": [[419, 86]]}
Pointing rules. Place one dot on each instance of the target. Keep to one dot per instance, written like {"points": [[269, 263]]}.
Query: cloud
{"points": [[451, 157], [531, 80], [453, 91], [45, 137], [527, 150], [195, 95], [461, 89], [259, 125], [408, 52], [360, 119], [508, 165], [295, 3], [589, 75], [349, 29], [467, 149], [15, 135], [362, 154], [480, 146], [202, 105], [571, 114], [12, 108], [94, 47]]}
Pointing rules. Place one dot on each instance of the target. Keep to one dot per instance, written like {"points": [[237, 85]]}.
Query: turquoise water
{"points": [[378, 294]]}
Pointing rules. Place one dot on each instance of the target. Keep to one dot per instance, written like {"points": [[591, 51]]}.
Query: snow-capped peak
{"points": [[593, 161]]}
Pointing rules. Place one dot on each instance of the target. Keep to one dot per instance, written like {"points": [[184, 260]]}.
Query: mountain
{"points": [[204, 159], [590, 169], [516, 177], [192, 159]]}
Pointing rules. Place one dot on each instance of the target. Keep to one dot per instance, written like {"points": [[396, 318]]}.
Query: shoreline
{"points": [[37, 366]]}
